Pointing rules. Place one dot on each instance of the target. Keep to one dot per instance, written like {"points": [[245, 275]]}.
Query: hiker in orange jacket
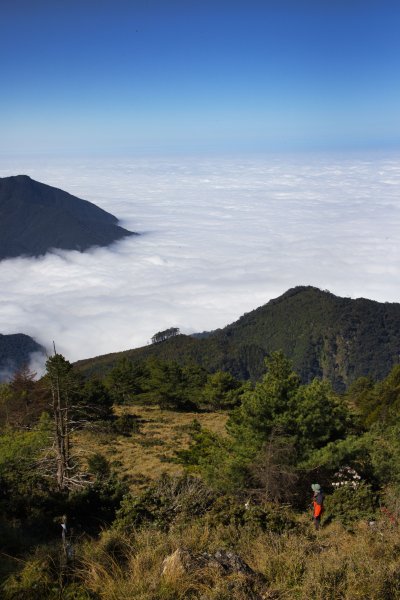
{"points": [[317, 504]]}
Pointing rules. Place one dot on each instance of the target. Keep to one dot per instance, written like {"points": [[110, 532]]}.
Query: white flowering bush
{"points": [[346, 476]]}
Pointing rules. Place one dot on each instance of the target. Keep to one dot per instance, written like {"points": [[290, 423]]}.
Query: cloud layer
{"points": [[219, 237]]}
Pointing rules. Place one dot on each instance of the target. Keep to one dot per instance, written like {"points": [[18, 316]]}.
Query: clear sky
{"points": [[160, 76]]}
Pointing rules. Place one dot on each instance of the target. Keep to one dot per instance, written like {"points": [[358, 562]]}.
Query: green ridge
{"points": [[339, 339]]}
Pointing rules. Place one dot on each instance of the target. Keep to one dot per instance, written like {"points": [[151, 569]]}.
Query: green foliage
{"points": [[212, 456], [384, 451], [125, 425], [375, 455], [21, 400], [305, 417], [6, 397], [325, 336], [221, 391], [95, 401], [230, 511], [168, 499], [125, 381], [161, 336], [353, 451], [266, 407], [24, 489], [349, 504], [316, 417], [17, 447], [309, 414], [173, 500], [165, 383], [195, 378], [35, 581], [361, 394], [377, 402], [95, 505], [41, 578], [60, 375], [172, 386], [99, 466]]}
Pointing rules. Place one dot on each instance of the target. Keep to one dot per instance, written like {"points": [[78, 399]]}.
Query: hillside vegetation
{"points": [[172, 482], [338, 339], [146, 455]]}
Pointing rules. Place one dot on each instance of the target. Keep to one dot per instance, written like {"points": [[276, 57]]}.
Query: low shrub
{"points": [[164, 502], [350, 504], [95, 506], [228, 511], [125, 425], [99, 466]]}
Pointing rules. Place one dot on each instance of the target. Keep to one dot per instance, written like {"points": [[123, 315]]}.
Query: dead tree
{"points": [[58, 377], [64, 390]]}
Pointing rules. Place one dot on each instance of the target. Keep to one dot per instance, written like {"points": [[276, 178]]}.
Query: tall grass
{"points": [[299, 564], [332, 564], [143, 457]]}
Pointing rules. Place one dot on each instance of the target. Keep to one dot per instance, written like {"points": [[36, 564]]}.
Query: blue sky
{"points": [[196, 76]]}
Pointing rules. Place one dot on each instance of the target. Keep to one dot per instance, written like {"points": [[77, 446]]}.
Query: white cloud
{"points": [[220, 237]]}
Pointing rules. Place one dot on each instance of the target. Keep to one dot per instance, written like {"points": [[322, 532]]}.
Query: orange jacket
{"points": [[318, 505]]}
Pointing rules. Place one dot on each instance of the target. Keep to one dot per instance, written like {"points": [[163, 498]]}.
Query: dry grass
{"points": [[330, 565], [139, 575], [144, 456]]}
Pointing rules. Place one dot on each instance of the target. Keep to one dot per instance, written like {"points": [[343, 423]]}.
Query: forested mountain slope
{"points": [[324, 335], [34, 218]]}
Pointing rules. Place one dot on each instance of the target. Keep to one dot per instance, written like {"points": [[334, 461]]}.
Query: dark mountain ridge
{"points": [[325, 336], [35, 218], [15, 352]]}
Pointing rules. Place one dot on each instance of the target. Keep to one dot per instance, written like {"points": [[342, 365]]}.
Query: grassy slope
{"points": [[144, 456], [332, 565], [298, 564]]}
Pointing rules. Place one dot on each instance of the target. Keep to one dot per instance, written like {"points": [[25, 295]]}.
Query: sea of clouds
{"points": [[219, 237]]}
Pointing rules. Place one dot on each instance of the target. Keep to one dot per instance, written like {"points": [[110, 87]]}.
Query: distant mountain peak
{"points": [[325, 336], [15, 353], [36, 218]]}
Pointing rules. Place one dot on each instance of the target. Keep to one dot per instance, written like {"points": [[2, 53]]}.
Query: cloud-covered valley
{"points": [[219, 237]]}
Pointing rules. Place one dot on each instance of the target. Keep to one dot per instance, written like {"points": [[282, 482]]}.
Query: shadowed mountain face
{"points": [[324, 335], [34, 218], [15, 353]]}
